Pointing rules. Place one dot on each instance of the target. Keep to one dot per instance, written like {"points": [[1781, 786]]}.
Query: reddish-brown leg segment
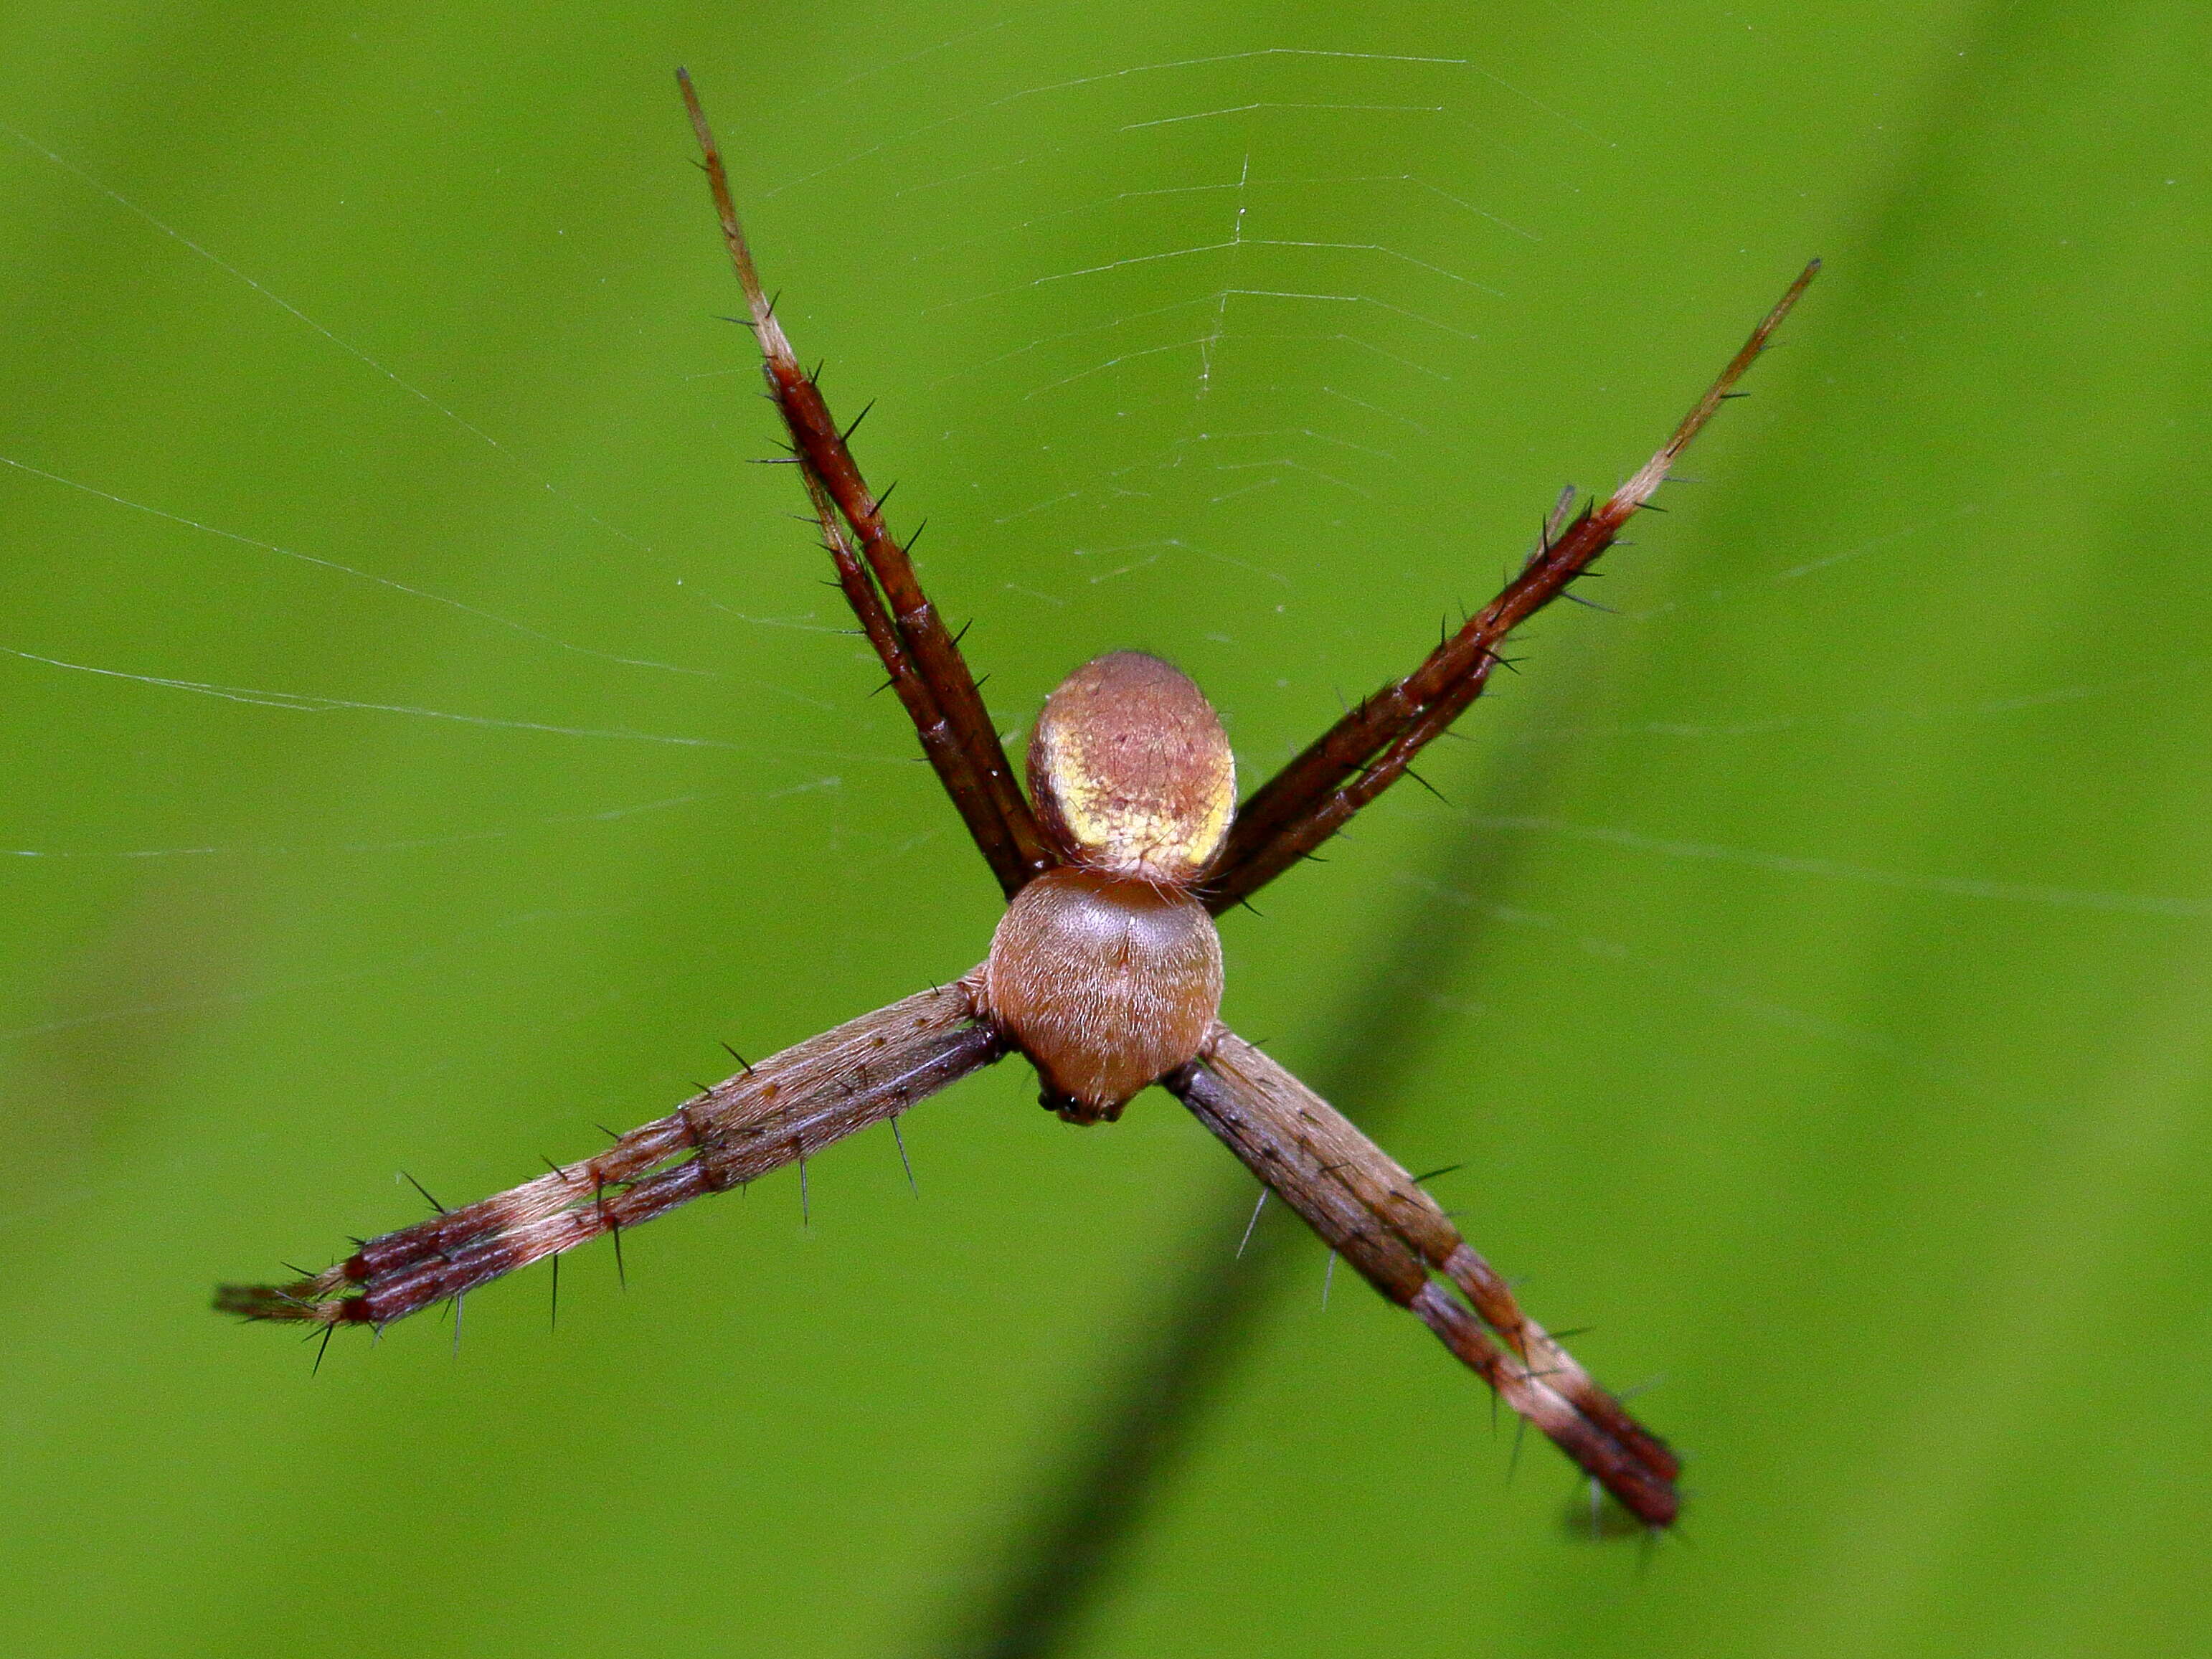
{"points": [[878, 580], [787, 1107], [1370, 1211], [1370, 748]]}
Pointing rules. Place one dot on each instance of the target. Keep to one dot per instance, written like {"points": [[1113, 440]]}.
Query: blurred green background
{"points": [[1813, 964]]}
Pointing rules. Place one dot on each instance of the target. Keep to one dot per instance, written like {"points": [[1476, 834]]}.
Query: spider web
{"points": [[1199, 327], [1265, 351]]}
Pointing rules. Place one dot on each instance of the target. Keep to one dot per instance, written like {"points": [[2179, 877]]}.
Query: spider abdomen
{"points": [[1106, 983], [1131, 770]]}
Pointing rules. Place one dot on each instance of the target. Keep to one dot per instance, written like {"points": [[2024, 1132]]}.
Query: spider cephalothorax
{"points": [[1105, 970]]}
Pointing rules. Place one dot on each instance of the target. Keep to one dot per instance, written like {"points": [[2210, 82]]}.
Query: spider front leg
{"points": [[918, 651], [785, 1109], [1370, 1211], [1372, 747]]}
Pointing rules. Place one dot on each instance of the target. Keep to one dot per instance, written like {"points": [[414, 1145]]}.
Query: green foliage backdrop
{"points": [[1825, 1014]]}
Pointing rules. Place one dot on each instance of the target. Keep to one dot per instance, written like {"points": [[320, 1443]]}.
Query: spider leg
{"points": [[1373, 1214], [790, 1106], [923, 659], [1370, 748]]}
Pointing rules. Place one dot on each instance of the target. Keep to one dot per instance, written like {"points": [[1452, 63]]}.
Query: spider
{"points": [[1105, 970]]}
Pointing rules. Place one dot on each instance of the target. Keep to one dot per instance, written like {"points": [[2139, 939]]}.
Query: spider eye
{"points": [[1131, 769]]}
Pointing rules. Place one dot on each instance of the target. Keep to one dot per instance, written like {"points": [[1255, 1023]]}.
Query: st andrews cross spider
{"points": [[1105, 970]]}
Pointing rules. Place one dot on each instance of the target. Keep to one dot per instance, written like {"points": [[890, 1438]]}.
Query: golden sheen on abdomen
{"points": [[1105, 983]]}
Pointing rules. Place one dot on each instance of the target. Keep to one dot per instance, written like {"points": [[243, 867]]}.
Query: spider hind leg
{"points": [[932, 679], [1372, 747]]}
